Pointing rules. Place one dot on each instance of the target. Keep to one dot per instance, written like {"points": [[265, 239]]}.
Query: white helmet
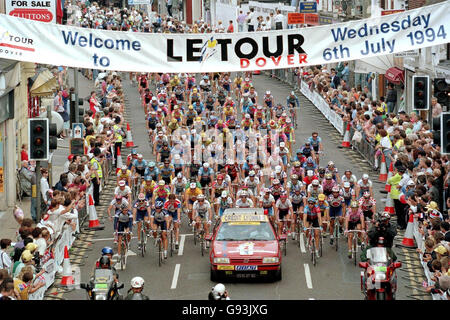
{"points": [[218, 290], [206, 165], [310, 173], [278, 169], [137, 282]]}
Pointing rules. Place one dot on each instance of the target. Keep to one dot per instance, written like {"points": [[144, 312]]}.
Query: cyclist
{"points": [[205, 176], [365, 184], [368, 205], [312, 217], [314, 189], [337, 206], [131, 157], [310, 177], [141, 211], [117, 204], [123, 190], [178, 185], [348, 193], [218, 187], [354, 220], [147, 187], [310, 164], [124, 174], [172, 206], [166, 172], [350, 178], [138, 166], [324, 210], [328, 184], [279, 175], [284, 212], [224, 202], [292, 98], [135, 292], [164, 153], [123, 222], [268, 99], [276, 189], [202, 213], [161, 192], [331, 168], [243, 201], [190, 196], [298, 171], [316, 143], [152, 171], [159, 218], [253, 183]]}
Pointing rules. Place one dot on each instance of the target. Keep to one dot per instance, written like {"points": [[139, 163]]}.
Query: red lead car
{"points": [[244, 245]]}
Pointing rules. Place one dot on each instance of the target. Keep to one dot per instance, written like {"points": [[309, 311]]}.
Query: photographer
{"points": [[381, 229], [218, 292]]}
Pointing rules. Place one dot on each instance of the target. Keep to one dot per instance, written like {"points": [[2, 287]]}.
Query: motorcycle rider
{"points": [[135, 292], [381, 228]]}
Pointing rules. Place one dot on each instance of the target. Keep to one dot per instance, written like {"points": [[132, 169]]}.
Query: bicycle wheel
{"points": [[285, 247], [313, 251], [143, 235], [171, 242], [320, 245], [202, 242], [159, 251], [195, 236], [355, 247], [336, 235], [122, 256], [298, 233]]}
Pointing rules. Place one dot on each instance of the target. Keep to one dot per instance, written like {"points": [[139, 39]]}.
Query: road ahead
{"points": [[186, 275]]}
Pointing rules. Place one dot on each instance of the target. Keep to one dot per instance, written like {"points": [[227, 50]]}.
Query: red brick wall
{"points": [[414, 4]]}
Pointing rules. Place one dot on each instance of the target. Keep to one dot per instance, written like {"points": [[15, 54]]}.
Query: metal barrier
{"points": [[364, 147]]}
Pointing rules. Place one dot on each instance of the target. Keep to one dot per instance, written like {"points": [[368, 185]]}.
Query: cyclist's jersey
{"points": [[251, 184], [241, 204], [336, 202], [141, 206], [172, 206], [323, 207], [348, 194], [276, 192], [315, 192], [161, 191], [268, 100], [201, 209], [315, 142], [228, 111], [238, 82], [292, 187], [159, 216], [205, 174], [225, 203], [149, 186], [352, 180], [193, 193], [119, 206], [195, 97], [327, 186], [166, 172], [220, 187], [267, 202], [152, 121], [283, 205], [313, 213], [364, 186], [140, 165], [367, 205], [179, 185], [124, 175], [152, 173], [306, 151], [297, 198], [164, 154], [354, 216], [298, 171], [191, 114], [333, 171], [124, 193]]}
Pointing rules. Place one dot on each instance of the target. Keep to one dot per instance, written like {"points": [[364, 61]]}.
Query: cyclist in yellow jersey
{"points": [[147, 187], [228, 111], [237, 86], [124, 174], [190, 196]]}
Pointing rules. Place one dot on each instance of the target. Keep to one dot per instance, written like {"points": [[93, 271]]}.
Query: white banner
{"points": [[27, 40]]}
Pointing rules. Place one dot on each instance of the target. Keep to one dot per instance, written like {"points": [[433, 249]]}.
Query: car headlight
{"points": [[380, 276], [271, 260], [221, 260]]}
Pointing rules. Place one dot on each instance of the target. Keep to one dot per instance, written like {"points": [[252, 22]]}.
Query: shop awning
{"points": [[44, 84], [395, 75]]}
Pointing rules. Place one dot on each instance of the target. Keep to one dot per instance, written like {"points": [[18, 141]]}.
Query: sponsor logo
{"points": [[14, 44], [43, 15]]}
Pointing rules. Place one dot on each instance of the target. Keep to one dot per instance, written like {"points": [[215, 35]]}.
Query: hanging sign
{"points": [[45, 43]]}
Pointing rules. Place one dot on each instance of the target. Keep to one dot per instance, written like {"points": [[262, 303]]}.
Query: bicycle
{"points": [[171, 234], [355, 242], [284, 235], [159, 245], [199, 235], [336, 233], [312, 243], [124, 246], [136, 186], [145, 233], [293, 114]]}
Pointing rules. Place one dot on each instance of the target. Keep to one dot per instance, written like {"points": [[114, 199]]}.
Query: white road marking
{"points": [[181, 247], [302, 244], [308, 276], [175, 276], [130, 253]]}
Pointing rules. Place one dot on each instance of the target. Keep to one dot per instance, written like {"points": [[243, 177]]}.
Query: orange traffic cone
{"points": [[346, 141], [387, 186], [383, 172], [129, 137], [408, 238], [94, 224], [119, 163], [67, 277], [389, 206]]}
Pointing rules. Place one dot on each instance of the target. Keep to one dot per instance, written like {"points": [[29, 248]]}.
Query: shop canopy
{"points": [[44, 84], [395, 75]]}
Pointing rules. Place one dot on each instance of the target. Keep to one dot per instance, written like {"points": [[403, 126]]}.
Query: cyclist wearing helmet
{"points": [[202, 213], [218, 187], [299, 157], [331, 168], [307, 150], [354, 220], [224, 202], [243, 200], [205, 175], [123, 222], [312, 217], [161, 192], [172, 206], [324, 210], [147, 187], [348, 193], [337, 207], [117, 204], [284, 211], [152, 171], [267, 201], [103, 263], [276, 189], [295, 183], [138, 166], [178, 185], [328, 184], [310, 164], [280, 175], [141, 211], [166, 172], [253, 183], [298, 170], [368, 205], [316, 143], [164, 153], [160, 218], [135, 292], [124, 174], [123, 190], [364, 185], [314, 189], [309, 177]]}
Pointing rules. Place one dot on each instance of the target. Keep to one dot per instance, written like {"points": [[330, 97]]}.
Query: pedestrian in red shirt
{"points": [[230, 27], [24, 153]]}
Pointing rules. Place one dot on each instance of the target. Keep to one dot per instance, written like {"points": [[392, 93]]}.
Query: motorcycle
{"points": [[379, 279], [103, 286]]}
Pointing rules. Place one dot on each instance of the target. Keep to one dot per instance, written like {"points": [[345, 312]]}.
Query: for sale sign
{"points": [[44, 11]]}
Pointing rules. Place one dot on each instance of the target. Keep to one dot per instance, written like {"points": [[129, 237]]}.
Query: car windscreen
{"points": [[241, 231]]}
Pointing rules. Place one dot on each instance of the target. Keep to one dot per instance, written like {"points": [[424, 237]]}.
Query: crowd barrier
{"points": [[364, 147], [52, 260]]}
